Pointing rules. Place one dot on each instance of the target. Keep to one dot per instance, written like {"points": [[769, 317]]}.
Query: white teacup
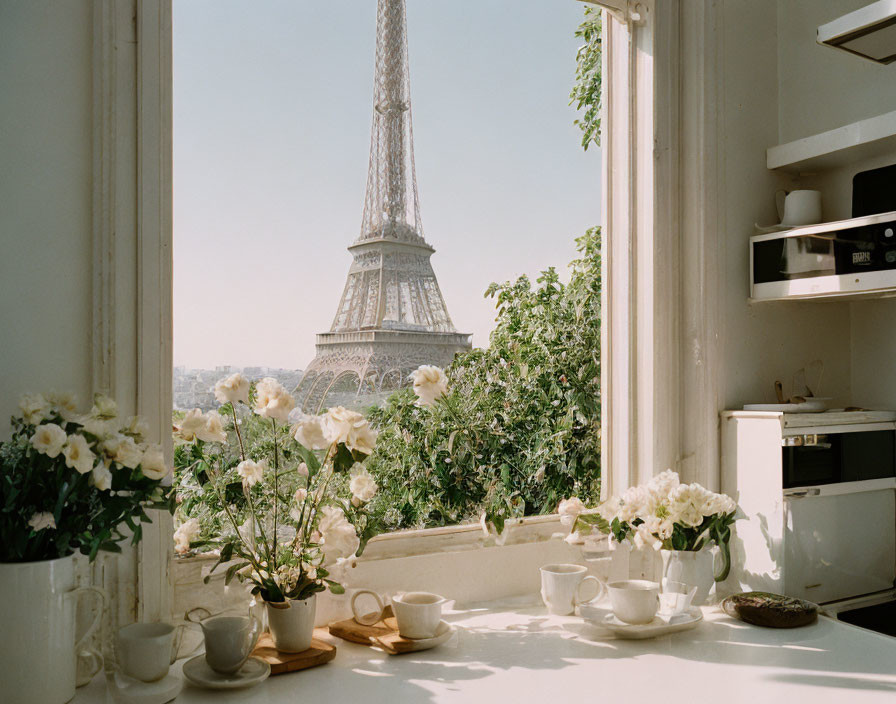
{"points": [[229, 641], [634, 601], [146, 650], [799, 207], [418, 613], [561, 585]]}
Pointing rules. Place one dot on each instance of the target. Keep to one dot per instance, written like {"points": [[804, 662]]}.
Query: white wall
{"points": [[763, 342], [45, 198], [819, 89]]}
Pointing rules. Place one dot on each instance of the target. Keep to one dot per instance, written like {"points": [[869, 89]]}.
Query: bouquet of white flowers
{"points": [[73, 481], [664, 514], [277, 486]]}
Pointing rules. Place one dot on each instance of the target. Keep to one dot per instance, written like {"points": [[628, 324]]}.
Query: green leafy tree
{"points": [[518, 429], [586, 93]]}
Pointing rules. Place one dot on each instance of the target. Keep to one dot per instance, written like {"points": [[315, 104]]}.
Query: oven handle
{"points": [[801, 493]]}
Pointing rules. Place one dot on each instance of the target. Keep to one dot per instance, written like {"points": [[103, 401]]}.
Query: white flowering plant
{"points": [[76, 481], [663, 514], [278, 493]]}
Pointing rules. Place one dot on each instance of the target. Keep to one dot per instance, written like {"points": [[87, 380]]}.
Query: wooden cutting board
{"points": [[355, 632], [319, 653]]}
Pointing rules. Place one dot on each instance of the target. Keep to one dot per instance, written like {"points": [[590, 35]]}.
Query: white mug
{"points": [[418, 613], [145, 651], [560, 586], [634, 601], [799, 207], [229, 641]]}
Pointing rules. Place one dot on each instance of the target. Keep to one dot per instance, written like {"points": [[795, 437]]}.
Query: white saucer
{"points": [[197, 670], [443, 633], [660, 626], [127, 690]]}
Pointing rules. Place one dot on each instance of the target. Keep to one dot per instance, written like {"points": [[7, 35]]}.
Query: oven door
{"points": [[840, 540]]}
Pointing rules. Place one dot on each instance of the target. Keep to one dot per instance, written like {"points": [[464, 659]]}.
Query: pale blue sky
{"points": [[272, 112]]}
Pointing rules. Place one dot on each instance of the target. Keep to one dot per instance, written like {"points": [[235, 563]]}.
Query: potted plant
{"points": [[681, 521], [287, 492], [68, 482]]}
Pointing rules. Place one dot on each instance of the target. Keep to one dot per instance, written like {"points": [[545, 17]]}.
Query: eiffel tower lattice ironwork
{"points": [[392, 317]]}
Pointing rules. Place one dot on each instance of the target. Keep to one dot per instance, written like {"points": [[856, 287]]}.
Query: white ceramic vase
{"points": [[39, 647], [292, 627], [692, 567]]}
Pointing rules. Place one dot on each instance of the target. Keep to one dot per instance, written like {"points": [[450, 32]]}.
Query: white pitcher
{"points": [[39, 647]]}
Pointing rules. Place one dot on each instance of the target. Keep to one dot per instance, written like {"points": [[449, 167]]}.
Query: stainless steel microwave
{"points": [[841, 258]]}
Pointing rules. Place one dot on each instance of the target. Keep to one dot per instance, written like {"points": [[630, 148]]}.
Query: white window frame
{"points": [[131, 279], [662, 249], [661, 258]]}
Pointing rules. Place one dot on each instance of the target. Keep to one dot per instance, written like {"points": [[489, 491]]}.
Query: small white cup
{"points": [[229, 641], [418, 613], [634, 601], [799, 207], [561, 584], [146, 650]]}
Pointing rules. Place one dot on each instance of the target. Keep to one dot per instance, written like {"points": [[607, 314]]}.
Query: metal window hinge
{"points": [[626, 11]]}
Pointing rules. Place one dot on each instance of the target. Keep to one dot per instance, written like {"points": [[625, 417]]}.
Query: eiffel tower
{"points": [[392, 317]]}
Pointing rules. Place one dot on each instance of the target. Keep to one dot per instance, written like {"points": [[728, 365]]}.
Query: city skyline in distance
{"points": [[271, 154]]}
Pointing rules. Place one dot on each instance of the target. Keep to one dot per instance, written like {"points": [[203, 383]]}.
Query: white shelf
{"points": [[837, 147]]}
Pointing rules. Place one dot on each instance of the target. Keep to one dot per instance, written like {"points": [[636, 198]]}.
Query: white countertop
{"points": [[508, 653]]}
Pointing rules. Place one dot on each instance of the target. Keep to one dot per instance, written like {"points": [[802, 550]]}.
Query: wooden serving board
{"points": [[384, 634], [355, 632], [319, 653]]}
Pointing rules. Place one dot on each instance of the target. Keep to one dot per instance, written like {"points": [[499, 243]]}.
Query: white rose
{"points": [[272, 400], [184, 535], [101, 477], [643, 537], [664, 482], [234, 389], [98, 427], [153, 465], [251, 472], [350, 428], [213, 430], [64, 404], [361, 484], [78, 454], [300, 495], [569, 510], [309, 432], [338, 537], [128, 454], [192, 423], [34, 408], [49, 439], [430, 383], [104, 407], [137, 427], [40, 521]]}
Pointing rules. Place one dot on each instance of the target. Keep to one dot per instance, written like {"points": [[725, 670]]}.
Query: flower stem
{"points": [[276, 488]]}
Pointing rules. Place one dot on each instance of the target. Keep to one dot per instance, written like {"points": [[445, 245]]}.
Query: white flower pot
{"points": [[692, 567], [39, 646], [292, 627]]}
